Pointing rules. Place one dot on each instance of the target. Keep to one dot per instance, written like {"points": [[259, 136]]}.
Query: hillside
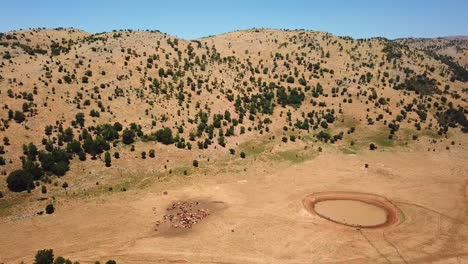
{"points": [[456, 48], [84, 114], [214, 93]]}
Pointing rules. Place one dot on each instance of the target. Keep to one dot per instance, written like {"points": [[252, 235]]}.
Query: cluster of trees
{"points": [[459, 73], [325, 136], [53, 161], [392, 50], [420, 84], [30, 50], [451, 117], [291, 96], [46, 256]]}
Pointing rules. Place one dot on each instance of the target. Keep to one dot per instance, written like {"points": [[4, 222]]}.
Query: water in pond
{"points": [[351, 212]]}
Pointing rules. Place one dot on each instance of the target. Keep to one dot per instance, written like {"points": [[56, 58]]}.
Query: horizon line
{"points": [[231, 31]]}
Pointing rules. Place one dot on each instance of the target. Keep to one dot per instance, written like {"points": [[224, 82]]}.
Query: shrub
{"points": [[128, 136], [222, 141], [60, 260], [195, 163], [79, 118], [50, 209], [44, 256], [107, 159], [19, 117], [372, 146], [82, 155], [20, 180], [242, 155], [67, 79], [60, 168], [111, 262], [118, 126], [151, 153], [164, 136]]}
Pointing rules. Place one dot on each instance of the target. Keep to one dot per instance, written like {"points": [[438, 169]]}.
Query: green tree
{"points": [[128, 136], [50, 209], [118, 126], [164, 136], [60, 260], [44, 256], [19, 117], [60, 168], [107, 159], [20, 180], [48, 130], [67, 79], [80, 120], [221, 141]]}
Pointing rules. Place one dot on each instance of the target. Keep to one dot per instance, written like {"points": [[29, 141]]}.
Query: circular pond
{"points": [[353, 209], [351, 212]]}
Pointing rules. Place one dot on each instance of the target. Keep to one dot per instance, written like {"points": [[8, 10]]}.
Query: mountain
{"points": [[85, 115], [455, 47], [65, 89]]}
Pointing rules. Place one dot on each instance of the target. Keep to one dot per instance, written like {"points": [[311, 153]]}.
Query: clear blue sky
{"points": [[193, 19]]}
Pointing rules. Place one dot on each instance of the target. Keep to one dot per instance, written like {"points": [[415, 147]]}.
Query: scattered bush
{"points": [[50, 209], [128, 136], [152, 153], [20, 180], [44, 256], [107, 159]]}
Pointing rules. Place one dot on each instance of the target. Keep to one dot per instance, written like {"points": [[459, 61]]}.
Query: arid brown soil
{"points": [[264, 220]]}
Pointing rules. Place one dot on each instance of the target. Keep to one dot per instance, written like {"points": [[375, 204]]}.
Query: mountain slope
{"points": [[64, 91]]}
